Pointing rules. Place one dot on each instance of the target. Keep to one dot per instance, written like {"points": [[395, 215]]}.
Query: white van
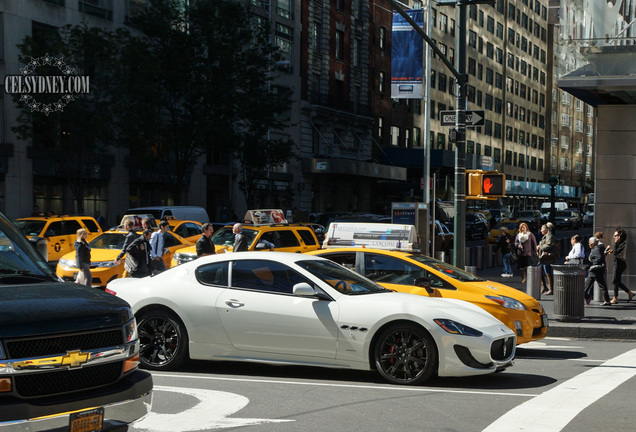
{"points": [[177, 212], [558, 206], [374, 235]]}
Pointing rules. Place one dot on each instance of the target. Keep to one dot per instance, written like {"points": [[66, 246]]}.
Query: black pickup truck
{"points": [[69, 354]]}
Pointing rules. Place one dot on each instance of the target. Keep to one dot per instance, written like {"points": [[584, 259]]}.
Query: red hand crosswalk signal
{"points": [[485, 184], [493, 184]]}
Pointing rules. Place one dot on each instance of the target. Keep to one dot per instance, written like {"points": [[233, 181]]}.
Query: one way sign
{"points": [[473, 118]]}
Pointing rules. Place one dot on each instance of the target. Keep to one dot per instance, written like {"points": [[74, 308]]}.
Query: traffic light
{"points": [[485, 184]]}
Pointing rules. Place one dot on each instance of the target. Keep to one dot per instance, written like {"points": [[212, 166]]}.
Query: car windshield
{"points": [[30, 227], [225, 236], [108, 241], [18, 258], [445, 268], [340, 278]]}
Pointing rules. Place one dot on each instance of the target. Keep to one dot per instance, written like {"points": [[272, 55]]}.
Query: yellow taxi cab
{"points": [[511, 224], [260, 229], [104, 251], [189, 230], [400, 271], [393, 261], [60, 232]]}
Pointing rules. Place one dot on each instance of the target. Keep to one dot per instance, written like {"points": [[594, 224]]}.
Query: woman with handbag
{"points": [[596, 272], [525, 245], [83, 258], [548, 254], [620, 264]]}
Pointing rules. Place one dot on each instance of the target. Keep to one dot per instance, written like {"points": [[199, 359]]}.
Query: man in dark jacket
{"points": [[596, 272], [240, 241], [139, 250], [504, 241], [204, 245], [130, 237]]}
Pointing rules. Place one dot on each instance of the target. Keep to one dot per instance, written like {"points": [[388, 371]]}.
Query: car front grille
{"points": [[65, 381], [61, 344], [502, 349]]}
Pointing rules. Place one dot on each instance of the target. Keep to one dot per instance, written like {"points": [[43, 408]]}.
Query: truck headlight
{"points": [[130, 331]]}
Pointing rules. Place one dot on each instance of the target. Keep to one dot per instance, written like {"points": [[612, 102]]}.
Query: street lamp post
{"points": [[525, 198]]}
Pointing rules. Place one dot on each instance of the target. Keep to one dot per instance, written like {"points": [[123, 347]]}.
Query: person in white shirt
{"points": [[156, 247], [577, 253]]}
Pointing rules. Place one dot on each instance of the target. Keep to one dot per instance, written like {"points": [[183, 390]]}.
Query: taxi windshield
{"points": [[18, 258], [446, 269], [340, 278], [108, 241], [225, 236], [30, 227]]}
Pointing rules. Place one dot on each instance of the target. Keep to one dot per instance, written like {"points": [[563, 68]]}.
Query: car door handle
{"points": [[234, 303]]}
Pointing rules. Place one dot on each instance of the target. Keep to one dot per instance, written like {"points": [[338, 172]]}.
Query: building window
{"points": [[315, 37], [339, 45], [380, 126], [98, 8], [381, 82], [382, 40], [395, 135], [565, 120], [590, 131], [417, 137], [285, 9]]}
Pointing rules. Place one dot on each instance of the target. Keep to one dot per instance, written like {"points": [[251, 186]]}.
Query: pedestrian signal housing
{"points": [[485, 184]]}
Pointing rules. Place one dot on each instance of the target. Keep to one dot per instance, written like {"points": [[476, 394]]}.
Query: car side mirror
{"points": [[41, 245], [303, 289], [424, 283]]}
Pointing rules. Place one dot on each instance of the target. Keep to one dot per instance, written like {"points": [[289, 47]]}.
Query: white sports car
{"points": [[283, 308]]}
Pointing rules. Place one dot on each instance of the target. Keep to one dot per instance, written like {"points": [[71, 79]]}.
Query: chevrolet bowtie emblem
{"points": [[75, 359]]}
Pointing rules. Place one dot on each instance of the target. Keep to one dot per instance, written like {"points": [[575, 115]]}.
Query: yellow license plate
{"points": [[87, 421]]}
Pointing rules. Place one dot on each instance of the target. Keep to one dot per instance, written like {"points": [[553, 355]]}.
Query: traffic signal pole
{"points": [[460, 125]]}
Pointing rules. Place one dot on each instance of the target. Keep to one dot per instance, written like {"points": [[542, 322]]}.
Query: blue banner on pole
{"points": [[407, 57]]}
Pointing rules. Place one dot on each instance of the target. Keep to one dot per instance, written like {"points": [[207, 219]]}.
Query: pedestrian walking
{"points": [[138, 262], [596, 272], [204, 245], [504, 244], [548, 251], [577, 253], [83, 258], [525, 246], [240, 241], [620, 263], [130, 237], [156, 247]]}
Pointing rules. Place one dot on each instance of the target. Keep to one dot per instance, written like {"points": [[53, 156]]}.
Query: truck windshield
{"points": [[18, 256]]}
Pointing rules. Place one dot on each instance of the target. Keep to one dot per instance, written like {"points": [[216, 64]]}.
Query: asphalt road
{"points": [[571, 385]]}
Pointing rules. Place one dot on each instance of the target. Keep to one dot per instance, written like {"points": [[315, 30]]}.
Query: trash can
{"points": [[533, 282], [471, 269], [440, 255], [569, 297]]}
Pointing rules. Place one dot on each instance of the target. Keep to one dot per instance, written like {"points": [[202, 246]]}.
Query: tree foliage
{"points": [[187, 80]]}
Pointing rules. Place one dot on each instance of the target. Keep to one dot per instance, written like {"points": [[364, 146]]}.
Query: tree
{"points": [[72, 130], [203, 74]]}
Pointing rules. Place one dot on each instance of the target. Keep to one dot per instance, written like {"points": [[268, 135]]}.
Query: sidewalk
{"points": [[599, 322]]}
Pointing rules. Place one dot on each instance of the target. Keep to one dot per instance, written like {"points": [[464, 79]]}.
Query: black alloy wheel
{"points": [[163, 340], [405, 354]]}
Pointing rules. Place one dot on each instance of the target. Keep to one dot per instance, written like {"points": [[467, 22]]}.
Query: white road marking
{"points": [[320, 384], [210, 413], [543, 345], [554, 409]]}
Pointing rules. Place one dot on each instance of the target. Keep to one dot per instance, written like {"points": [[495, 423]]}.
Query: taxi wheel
{"points": [[163, 340], [405, 354]]}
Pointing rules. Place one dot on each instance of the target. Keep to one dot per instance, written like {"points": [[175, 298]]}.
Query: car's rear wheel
{"points": [[163, 340], [405, 354]]}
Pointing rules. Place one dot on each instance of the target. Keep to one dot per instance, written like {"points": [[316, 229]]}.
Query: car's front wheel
{"points": [[163, 340], [405, 354]]}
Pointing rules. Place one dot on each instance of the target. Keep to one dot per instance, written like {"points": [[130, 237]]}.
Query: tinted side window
{"points": [[264, 275], [213, 274], [307, 236], [192, 230], [91, 225], [385, 269], [71, 227], [287, 239], [169, 240], [54, 229], [347, 259]]}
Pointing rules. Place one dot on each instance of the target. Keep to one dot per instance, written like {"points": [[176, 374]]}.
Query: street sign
{"points": [[473, 118]]}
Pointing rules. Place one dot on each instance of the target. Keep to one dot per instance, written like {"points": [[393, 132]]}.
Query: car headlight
{"points": [[507, 302], [454, 327], [108, 264], [184, 258], [130, 331], [68, 263]]}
